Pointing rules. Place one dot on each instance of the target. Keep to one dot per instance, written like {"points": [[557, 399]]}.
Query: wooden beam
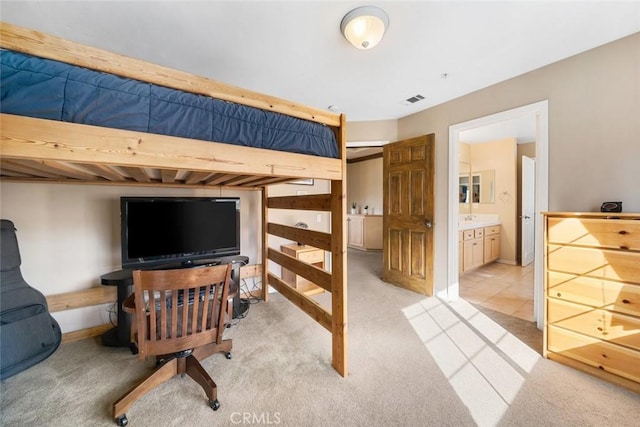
{"points": [[339, 330], [313, 238], [61, 169], [28, 167], [310, 272], [196, 177], [264, 239], [267, 180], [41, 139], [220, 179], [306, 304], [139, 174], [365, 158], [83, 298], [311, 202], [105, 171], [168, 175]]}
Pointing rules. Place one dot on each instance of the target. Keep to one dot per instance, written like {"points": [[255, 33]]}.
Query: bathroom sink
{"points": [[476, 223]]}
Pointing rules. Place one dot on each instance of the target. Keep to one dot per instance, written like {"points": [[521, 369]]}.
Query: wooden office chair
{"points": [[178, 337]]}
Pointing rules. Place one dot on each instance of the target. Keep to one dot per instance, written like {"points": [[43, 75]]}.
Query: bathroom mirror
{"points": [[483, 186], [464, 191]]}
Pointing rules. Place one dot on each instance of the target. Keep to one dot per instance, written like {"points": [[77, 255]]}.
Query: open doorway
{"points": [[539, 113]]}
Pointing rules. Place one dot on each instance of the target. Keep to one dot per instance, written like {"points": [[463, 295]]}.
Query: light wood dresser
{"points": [[592, 294]]}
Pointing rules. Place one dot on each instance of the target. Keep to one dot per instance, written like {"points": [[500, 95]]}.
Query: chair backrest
{"points": [[161, 296]]}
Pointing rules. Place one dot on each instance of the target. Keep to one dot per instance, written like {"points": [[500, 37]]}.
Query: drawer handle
{"points": [[626, 301], [559, 294], [623, 232], [626, 248]]}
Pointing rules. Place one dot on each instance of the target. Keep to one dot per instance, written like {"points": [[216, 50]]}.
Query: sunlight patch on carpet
{"points": [[485, 364]]}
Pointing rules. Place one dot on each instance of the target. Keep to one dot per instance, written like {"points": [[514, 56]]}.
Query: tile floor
{"points": [[500, 287]]}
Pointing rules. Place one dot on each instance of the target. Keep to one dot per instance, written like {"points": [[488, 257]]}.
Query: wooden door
{"points": [[408, 214]]}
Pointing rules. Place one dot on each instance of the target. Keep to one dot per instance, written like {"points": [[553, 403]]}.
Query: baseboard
{"points": [[86, 333]]}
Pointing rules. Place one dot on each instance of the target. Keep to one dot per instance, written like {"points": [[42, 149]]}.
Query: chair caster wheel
{"points": [[122, 421], [214, 404], [228, 355]]}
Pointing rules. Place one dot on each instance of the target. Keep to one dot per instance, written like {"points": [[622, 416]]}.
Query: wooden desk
{"points": [[308, 254]]}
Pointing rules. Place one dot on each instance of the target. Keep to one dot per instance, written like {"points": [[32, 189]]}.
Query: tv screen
{"points": [[178, 230]]}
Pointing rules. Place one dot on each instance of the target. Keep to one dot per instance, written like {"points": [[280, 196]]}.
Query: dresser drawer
{"points": [[605, 294], [591, 351], [601, 324], [490, 231], [596, 263], [618, 233], [478, 232], [468, 235], [311, 256]]}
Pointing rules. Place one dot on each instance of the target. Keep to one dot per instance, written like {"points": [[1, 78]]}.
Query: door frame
{"points": [[524, 220], [540, 110]]}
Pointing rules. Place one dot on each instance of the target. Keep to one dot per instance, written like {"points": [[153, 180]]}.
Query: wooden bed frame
{"points": [[39, 150]]}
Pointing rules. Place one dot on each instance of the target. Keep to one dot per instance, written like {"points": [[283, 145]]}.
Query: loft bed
{"points": [[247, 143]]}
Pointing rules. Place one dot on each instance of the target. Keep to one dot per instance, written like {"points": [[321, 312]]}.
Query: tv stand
{"points": [[123, 279]]}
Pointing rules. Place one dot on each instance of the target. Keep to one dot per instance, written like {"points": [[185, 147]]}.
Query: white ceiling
{"points": [[294, 49]]}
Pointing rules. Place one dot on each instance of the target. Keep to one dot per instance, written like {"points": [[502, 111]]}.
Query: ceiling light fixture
{"points": [[364, 26]]}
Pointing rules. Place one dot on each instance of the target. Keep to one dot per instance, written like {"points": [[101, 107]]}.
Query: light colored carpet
{"points": [[401, 353]]}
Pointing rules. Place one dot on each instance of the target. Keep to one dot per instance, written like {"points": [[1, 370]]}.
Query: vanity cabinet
{"points": [[592, 294], [479, 246], [491, 243], [364, 232], [473, 249]]}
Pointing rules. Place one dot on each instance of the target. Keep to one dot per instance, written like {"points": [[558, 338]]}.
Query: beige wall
{"points": [[364, 185], [382, 130], [364, 179], [594, 105]]}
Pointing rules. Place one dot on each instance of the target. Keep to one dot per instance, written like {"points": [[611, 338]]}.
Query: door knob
{"points": [[428, 223]]}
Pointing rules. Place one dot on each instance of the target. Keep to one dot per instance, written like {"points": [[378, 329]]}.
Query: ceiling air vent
{"points": [[413, 100]]}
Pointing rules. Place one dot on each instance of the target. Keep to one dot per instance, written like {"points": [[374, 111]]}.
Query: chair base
{"points": [[170, 366]]}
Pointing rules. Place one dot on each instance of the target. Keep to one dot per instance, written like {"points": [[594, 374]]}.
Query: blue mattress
{"points": [[47, 89]]}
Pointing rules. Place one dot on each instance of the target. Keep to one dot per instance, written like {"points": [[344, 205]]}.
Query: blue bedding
{"points": [[47, 89]]}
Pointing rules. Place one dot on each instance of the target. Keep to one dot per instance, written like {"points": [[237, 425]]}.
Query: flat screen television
{"points": [[174, 231]]}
